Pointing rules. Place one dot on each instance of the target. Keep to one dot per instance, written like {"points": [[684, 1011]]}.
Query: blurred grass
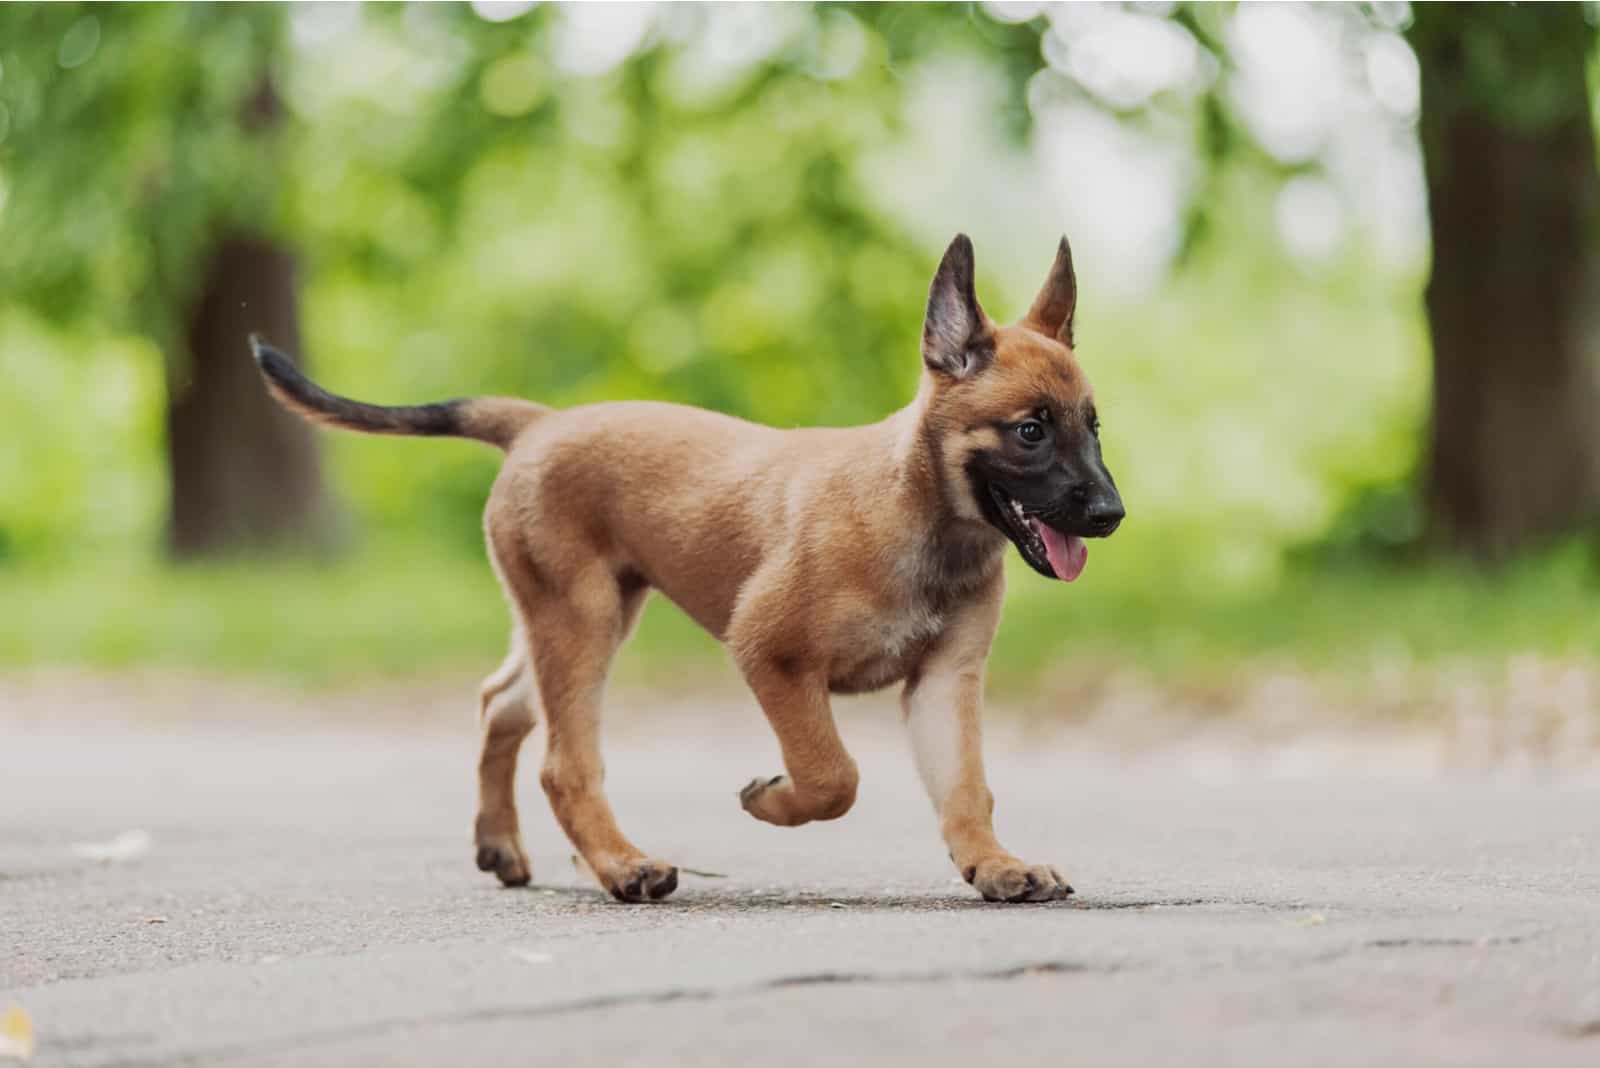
{"points": [[402, 611], [388, 611], [1336, 620]]}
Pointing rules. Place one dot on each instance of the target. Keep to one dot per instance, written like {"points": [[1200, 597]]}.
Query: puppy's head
{"points": [[1013, 418]]}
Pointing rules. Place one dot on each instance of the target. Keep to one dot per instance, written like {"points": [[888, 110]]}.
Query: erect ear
{"points": [[1052, 309], [956, 335]]}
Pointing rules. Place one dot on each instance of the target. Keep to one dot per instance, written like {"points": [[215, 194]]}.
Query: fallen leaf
{"points": [[702, 874], [129, 845], [16, 1034]]}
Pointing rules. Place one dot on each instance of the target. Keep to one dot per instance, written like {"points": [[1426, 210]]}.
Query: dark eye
{"points": [[1094, 424], [1031, 432]]}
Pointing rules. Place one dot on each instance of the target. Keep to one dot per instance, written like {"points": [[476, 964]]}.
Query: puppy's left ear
{"points": [[957, 339], [1052, 309]]}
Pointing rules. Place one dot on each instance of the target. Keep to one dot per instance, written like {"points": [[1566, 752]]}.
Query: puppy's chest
{"points": [[878, 648], [896, 623]]}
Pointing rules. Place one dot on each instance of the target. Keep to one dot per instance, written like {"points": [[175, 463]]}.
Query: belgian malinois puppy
{"points": [[827, 560]]}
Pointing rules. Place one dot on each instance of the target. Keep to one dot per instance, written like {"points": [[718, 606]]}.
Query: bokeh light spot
{"points": [[79, 43], [512, 86]]}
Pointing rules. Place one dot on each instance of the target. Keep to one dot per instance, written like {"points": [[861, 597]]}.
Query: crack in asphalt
{"points": [[1116, 904], [290, 1044], [1425, 942], [1451, 943], [657, 997]]}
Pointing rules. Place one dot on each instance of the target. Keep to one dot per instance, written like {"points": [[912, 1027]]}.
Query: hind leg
{"points": [[574, 625], [506, 713]]}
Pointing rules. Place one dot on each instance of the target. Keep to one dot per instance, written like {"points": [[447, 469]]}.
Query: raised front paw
{"points": [[782, 801], [1009, 879], [754, 798]]}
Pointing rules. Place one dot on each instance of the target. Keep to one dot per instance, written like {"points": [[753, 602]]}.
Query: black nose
{"points": [[1103, 515]]}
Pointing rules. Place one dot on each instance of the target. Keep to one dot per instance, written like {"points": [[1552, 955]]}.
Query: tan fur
{"points": [[828, 561]]}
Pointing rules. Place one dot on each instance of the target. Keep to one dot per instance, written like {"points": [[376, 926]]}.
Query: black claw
{"points": [[488, 857], [756, 785], [666, 886], [971, 873]]}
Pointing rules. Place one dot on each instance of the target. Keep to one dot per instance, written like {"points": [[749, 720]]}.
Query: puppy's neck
{"points": [[921, 462], [953, 545]]}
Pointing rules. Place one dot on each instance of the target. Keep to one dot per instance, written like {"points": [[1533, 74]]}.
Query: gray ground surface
{"points": [[317, 905]]}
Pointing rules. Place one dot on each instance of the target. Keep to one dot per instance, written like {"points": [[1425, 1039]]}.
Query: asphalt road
{"points": [[306, 895]]}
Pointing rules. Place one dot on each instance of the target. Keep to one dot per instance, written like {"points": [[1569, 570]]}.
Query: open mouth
{"points": [[1047, 550]]}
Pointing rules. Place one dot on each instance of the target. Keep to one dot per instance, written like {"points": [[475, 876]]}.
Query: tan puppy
{"points": [[828, 560]]}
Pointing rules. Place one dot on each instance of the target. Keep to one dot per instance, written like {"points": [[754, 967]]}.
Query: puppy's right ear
{"points": [[957, 339], [1054, 306]]}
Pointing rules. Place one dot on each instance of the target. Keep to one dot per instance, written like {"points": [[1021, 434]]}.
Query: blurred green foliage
{"points": [[471, 219], [474, 221], [125, 151]]}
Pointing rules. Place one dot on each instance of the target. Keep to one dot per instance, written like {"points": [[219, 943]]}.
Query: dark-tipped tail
{"points": [[495, 420]]}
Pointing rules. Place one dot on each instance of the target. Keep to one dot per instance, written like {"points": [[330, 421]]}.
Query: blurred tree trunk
{"points": [[245, 475], [1513, 303]]}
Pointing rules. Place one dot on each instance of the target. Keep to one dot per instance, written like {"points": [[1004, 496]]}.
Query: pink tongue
{"points": [[1067, 552]]}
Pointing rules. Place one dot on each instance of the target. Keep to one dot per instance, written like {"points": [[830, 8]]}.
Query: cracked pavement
{"points": [[308, 897]]}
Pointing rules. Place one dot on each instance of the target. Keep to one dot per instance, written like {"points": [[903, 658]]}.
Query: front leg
{"points": [[821, 780], [943, 706]]}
